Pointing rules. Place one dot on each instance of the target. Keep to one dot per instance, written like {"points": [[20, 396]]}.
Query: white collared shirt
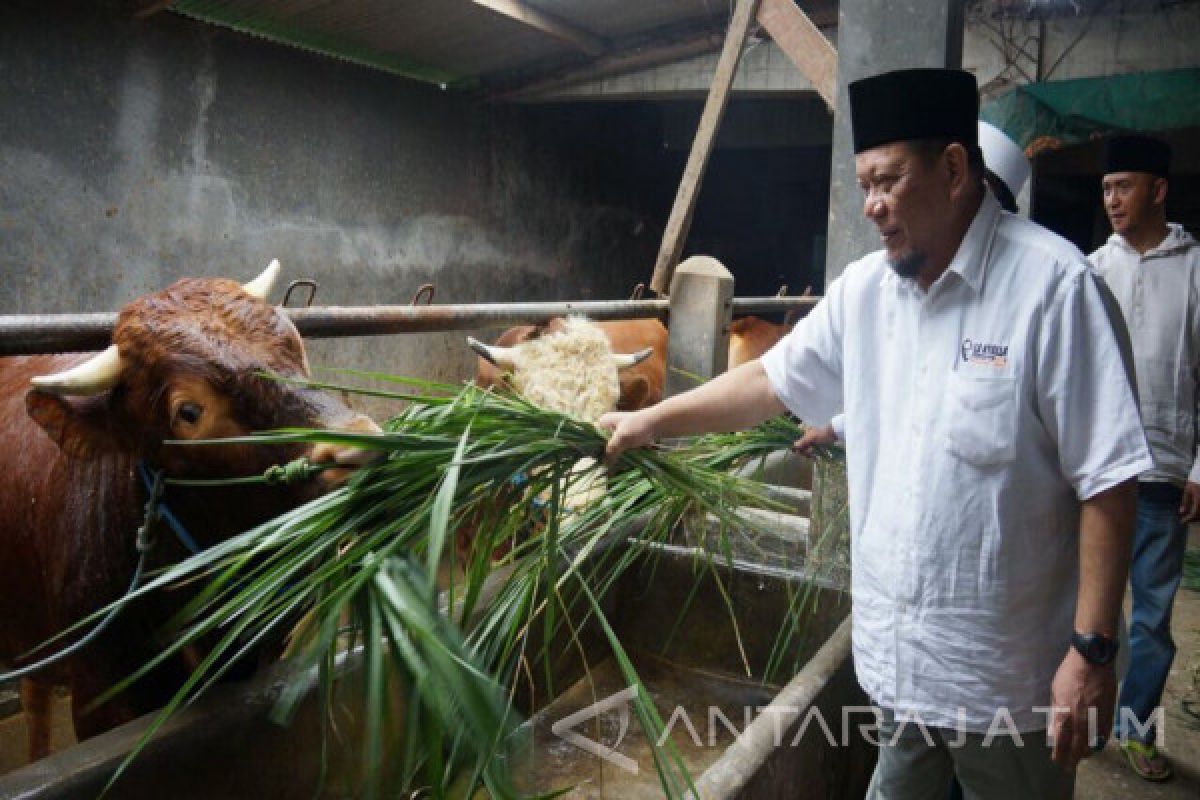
{"points": [[979, 415], [1159, 295]]}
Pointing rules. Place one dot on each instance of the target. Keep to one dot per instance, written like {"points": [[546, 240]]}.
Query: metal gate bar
{"points": [[773, 305], [24, 334]]}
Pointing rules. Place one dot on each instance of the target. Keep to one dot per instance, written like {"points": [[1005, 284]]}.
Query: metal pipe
{"points": [[22, 334], [55, 333], [66, 333], [743, 760], [771, 305], [333, 321]]}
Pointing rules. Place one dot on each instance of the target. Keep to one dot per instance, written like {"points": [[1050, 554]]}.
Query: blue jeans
{"points": [[1159, 543]]}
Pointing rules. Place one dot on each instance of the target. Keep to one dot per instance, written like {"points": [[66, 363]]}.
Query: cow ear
{"points": [[80, 426], [634, 389]]}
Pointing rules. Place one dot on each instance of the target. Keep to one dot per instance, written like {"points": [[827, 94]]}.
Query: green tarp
{"points": [[1072, 111]]}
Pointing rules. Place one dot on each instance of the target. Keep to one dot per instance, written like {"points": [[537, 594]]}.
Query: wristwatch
{"points": [[1096, 648]]}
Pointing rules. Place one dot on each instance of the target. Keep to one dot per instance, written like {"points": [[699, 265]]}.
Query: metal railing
{"points": [[65, 333]]}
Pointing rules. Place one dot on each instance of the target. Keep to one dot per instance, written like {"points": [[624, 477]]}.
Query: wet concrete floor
{"points": [[682, 696]]}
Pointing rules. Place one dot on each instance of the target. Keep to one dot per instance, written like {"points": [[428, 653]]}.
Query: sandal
{"points": [[1146, 761]]}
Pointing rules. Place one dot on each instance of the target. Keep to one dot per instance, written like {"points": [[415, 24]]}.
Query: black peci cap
{"points": [[1136, 153], [914, 104]]}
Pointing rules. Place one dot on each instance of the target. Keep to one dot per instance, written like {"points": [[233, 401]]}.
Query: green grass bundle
{"points": [[364, 558]]}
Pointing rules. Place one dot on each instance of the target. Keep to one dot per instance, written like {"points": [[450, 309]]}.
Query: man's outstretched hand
{"points": [[815, 437], [629, 429]]}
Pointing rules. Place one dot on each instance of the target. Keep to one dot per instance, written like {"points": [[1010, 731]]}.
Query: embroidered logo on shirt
{"points": [[985, 355]]}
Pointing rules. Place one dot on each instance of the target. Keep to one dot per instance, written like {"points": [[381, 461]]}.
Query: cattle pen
{"points": [[484, 591], [698, 666], [706, 669], [766, 731]]}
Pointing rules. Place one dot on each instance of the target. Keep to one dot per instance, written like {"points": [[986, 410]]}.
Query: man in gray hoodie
{"points": [[1153, 269]]}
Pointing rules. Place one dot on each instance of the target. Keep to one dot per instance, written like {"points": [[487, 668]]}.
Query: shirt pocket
{"points": [[982, 426]]}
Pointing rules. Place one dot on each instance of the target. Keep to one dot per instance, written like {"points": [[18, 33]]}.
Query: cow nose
{"points": [[347, 457]]}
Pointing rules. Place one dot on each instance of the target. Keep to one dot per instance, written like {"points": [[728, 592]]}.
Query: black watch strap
{"points": [[1096, 648]]}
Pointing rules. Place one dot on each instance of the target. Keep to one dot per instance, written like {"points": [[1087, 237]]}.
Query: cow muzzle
{"points": [[347, 458]]}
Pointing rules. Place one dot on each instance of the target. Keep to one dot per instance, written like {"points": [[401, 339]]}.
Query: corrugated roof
{"points": [[463, 43], [618, 19], [442, 41]]}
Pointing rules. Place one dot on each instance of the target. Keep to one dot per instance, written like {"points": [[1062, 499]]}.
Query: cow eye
{"points": [[189, 413]]}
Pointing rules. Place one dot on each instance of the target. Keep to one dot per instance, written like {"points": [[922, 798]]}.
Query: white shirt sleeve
{"points": [[1084, 395], [805, 367], [838, 423]]}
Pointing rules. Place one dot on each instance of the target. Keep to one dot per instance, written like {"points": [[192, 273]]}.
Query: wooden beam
{"points": [[563, 31], [645, 51], [803, 43], [680, 220]]}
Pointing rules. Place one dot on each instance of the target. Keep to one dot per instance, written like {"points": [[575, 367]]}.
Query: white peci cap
{"points": [[1003, 157]]}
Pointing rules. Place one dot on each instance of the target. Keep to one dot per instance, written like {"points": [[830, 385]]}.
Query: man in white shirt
{"points": [[1153, 269], [1007, 170], [993, 444]]}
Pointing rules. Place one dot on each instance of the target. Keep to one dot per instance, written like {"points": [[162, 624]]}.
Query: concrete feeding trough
{"points": [[699, 630]]}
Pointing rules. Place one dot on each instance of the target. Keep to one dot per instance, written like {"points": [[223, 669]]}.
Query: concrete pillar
{"points": [[701, 291], [877, 36]]}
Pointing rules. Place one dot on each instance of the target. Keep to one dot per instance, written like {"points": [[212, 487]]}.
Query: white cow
{"points": [[572, 371]]}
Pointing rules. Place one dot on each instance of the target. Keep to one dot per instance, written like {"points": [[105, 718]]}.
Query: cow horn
{"points": [[502, 357], [623, 360], [99, 373], [260, 287]]}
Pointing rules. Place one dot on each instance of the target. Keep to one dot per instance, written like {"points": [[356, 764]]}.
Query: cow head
{"points": [[639, 387], [188, 363], [571, 369]]}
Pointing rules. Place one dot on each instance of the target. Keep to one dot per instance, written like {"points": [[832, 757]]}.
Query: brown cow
{"points": [[641, 384], [186, 363], [750, 337]]}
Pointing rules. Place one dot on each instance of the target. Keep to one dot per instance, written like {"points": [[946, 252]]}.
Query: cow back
{"points": [[750, 337], [60, 518]]}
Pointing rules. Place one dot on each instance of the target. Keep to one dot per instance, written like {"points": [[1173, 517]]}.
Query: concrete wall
{"points": [[135, 153]]}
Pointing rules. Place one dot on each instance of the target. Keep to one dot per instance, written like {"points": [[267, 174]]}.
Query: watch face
{"points": [[1096, 648]]}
